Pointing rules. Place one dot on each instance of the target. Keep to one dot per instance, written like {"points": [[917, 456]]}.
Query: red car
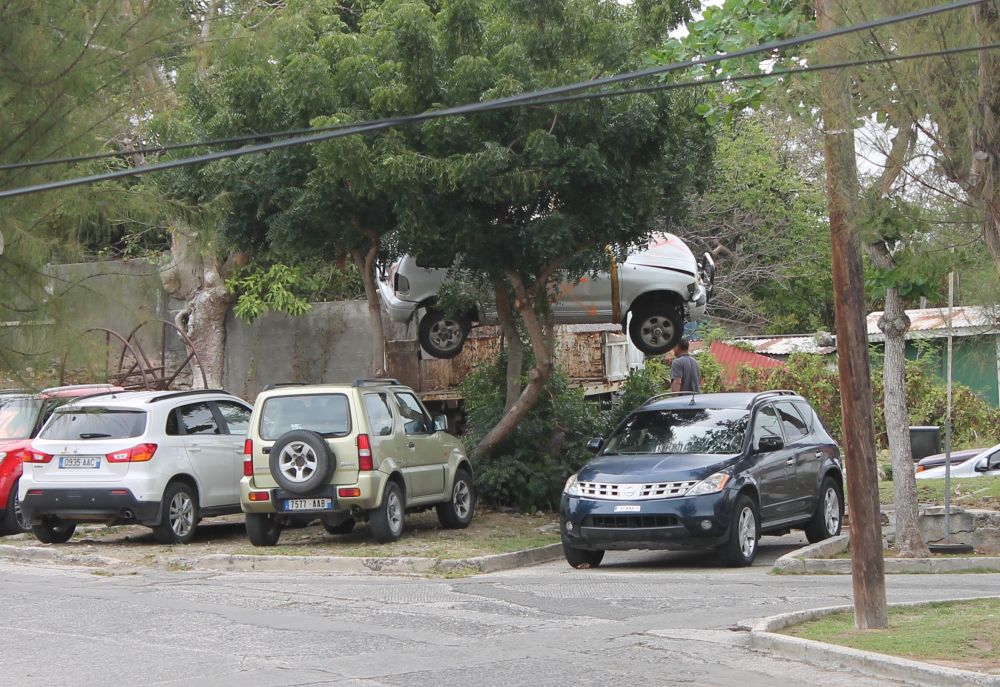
{"points": [[22, 414]]}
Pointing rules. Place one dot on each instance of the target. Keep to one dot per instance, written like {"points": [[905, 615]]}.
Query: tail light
{"points": [[139, 453], [365, 453], [248, 458], [921, 468], [18, 454], [33, 456]]}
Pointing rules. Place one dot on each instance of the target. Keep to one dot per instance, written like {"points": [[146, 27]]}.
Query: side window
{"points": [[379, 415], [197, 418], [173, 429], [236, 417], [806, 411], [765, 423], [795, 427], [415, 420]]}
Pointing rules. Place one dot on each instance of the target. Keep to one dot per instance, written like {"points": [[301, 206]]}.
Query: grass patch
{"points": [[974, 492], [964, 632]]}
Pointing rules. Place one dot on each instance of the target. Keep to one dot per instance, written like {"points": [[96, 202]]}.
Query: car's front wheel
{"points": [[178, 515], [263, 529], [386, 520], [744, 534], [829, 513], [441, 335], [655, 329], [581, 558], [457, 512], [52, 531]]}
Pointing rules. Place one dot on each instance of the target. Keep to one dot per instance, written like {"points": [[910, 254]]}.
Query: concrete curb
{"points": [[343, 564], [764, 638], [815, 560]]}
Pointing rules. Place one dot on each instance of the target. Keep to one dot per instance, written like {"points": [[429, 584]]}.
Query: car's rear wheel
{"points": [[301, 461], [829, 514], [581, 558], [13, 520], [744, 534], [457, 512], [342, 527], [387, 519], [263, 529], [53, 531], [178, 515], [441, 335], [655, 329]]}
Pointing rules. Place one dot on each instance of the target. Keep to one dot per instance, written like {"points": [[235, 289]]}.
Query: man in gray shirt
{"points": [[684, 372]]}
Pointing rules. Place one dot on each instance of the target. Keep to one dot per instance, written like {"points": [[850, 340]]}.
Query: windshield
{"points": [[17, 416], [701, 430], [327, 414], [94, 423]]}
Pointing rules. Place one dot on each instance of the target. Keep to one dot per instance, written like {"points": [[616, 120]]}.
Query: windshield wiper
{"points": [[94, 435]]}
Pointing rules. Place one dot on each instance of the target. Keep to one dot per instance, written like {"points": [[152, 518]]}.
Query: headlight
{"points": [[710, 485], [572, 486]]}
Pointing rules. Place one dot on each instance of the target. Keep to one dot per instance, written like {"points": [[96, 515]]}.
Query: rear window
{"points": [[327, 414], [94, 423], [17, 416]]}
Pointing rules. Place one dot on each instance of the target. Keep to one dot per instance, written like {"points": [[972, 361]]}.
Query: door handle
{"points": [[194, 449], [790, 461], [819, 455], [411, 445]]}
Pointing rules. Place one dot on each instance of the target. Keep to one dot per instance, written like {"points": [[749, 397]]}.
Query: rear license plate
{"points": [[80, 462], [308, 504]]}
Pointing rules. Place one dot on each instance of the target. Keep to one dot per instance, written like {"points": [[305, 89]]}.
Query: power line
{"points": [[488, 106]]}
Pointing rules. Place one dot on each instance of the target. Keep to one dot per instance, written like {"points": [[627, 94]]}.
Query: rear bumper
{"points": [[370, 484], [399, 310], [81, 505]]}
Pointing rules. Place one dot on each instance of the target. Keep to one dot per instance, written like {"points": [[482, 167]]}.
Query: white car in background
{"points": [[986, 464], [661, 286], [163, 459]]}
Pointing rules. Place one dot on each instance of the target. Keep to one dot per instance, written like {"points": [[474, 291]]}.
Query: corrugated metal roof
{"points": [[933, 322], [732, 358], [786, 345]]}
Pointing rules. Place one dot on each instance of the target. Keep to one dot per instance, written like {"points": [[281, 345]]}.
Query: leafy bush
{"points": [[550, 444]]}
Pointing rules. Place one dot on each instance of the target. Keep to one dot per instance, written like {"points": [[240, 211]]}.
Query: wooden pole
{"points": [[867, 565]]}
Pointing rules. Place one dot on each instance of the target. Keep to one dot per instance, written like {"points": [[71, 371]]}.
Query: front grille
{"points": [[630, 521], [634, 492]]}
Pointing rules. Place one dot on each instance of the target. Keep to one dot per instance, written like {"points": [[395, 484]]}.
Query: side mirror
{"points": [[770, 443], [595, 444], [440, 423], [982, 465]]}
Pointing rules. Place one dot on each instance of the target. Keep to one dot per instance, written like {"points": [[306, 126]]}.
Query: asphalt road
{"points": [[640, 619]]}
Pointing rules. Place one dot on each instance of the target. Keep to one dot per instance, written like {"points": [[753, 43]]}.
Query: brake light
{"points": [[139, 453], [248, 458], [19, 454], [921, 468], [349, 492], [260, 496], [365, 453], [33, 456]]}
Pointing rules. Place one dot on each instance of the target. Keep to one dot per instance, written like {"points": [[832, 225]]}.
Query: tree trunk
{"points": [[985, 136], [867, 564], [515, 347], [366, 265]]}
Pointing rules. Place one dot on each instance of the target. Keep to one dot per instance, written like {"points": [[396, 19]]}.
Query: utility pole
{"points": [[867, 564]]}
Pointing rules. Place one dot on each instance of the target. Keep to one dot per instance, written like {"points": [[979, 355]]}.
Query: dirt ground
{"points": [[490, 532]]}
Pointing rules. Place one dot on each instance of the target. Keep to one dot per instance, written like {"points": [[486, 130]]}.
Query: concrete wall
{"points": [[330, 343]]}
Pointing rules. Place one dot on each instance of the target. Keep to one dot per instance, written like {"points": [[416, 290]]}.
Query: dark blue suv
{"points": [[705, 471]]}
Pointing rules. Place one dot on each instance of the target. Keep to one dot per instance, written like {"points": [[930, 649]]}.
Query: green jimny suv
{"points": [[348, 452]]}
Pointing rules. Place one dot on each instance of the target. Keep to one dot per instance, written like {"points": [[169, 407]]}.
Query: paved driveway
{"points": [[642, 619]]}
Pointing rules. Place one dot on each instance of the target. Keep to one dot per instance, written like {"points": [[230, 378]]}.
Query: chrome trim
{"points": [[634, 492]]}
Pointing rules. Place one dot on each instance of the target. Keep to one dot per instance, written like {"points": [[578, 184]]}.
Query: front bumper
{"points": [[399, 310], [682, 523], [97, 505], [697, 305]]}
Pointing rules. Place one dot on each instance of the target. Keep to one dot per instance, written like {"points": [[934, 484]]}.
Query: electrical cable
{"points": [[488, 106]]}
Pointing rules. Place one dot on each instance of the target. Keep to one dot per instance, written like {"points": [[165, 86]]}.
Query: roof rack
{"points": [[73, 387], [657, 397], [268, 387], [372, 381], [190, 392], [773, 392]]}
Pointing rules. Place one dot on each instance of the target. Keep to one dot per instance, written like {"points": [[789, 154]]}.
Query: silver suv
{"points": [[348, 452], [660, 287]]}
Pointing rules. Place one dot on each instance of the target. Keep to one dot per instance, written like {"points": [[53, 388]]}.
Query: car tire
{"points": [[263, 529], [301, 461], [443, 336], [829, 514], [178, 515], [456, 513], [386, 520], [744, 534], [656, 329], [52, 531], [342, 527], [581, 558], [13, 520]]}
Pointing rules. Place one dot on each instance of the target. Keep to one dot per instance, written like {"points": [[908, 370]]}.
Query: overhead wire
{"points": [[542, 96]]}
